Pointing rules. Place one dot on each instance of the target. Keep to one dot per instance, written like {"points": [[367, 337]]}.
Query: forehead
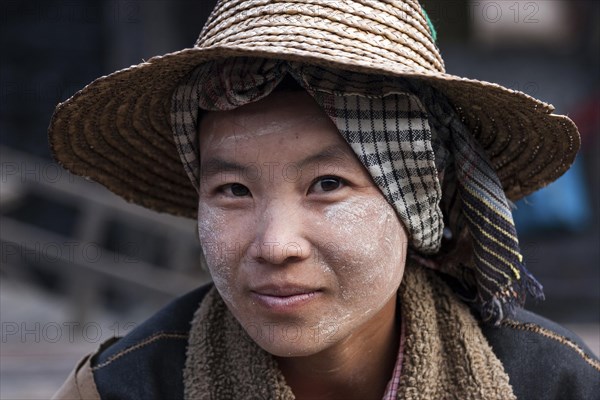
{"points": [[276, 109], [291, 122]]}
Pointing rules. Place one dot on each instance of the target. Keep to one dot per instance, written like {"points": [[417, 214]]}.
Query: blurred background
{"points": [[79, 265]]}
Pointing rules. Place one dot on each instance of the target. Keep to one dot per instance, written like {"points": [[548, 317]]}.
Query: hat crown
{"points": [[366, 32]]}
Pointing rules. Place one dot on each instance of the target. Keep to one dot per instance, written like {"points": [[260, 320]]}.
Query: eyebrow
{"points": [[215, 165], [327, 154]]}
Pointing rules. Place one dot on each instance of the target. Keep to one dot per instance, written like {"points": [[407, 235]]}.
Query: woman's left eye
{"points": [[327, 184]]}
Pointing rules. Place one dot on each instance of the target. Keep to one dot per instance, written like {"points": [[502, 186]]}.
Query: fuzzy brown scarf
{"points": [[445, 356]]}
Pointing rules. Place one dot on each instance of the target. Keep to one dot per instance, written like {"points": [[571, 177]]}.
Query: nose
{"points": [[280, 236]]}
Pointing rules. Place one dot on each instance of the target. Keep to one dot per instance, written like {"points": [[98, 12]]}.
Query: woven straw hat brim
{"points": [[117, 130]]}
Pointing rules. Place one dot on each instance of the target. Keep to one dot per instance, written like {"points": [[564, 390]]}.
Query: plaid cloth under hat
{"points": [[389, 132], [399, 158], [117, 130]]}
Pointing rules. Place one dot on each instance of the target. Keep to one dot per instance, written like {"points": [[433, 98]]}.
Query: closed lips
{"points": [[283, 291]]}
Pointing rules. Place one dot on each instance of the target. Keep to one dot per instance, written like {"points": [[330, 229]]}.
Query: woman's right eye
{"points": [[235, 190]]}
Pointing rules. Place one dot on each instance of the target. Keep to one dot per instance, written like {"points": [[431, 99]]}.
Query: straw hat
{"points": [[116, 130]]}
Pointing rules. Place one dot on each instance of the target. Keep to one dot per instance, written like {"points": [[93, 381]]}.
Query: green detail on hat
{"points": [[431, 27]]}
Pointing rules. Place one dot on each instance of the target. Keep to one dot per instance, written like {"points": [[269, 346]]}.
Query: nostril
{"points": [[292, 249], [277, 252]]}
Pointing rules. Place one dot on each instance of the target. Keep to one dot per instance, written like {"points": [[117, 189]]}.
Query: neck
{"points": [[358, 367]]}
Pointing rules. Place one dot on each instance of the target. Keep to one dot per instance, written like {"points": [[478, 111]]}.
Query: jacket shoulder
{"points": [[148, 362], [79, 384], [544, 359]]}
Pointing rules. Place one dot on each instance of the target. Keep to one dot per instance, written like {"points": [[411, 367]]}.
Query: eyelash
{"points": [[341, 182], [227, 189]]}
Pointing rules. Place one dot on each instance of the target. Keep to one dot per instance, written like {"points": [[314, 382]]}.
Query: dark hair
{"points": [[288, 84]]}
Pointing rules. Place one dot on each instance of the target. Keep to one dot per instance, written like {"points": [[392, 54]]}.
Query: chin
{"points": [[283, 348], [288, 339]]}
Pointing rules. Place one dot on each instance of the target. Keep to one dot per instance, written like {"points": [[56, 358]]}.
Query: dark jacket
{"points": [[542, 359]]}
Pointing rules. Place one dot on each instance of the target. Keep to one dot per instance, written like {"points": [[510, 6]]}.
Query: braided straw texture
{"points": [[116, 130]]}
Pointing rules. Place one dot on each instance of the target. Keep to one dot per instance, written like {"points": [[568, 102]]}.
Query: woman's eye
{"points": [[236, 189], [327, 184]]}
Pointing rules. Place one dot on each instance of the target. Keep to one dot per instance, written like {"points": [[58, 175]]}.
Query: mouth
{"points": [[284, 298]]}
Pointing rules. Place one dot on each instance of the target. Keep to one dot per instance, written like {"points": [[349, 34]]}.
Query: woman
{"points": [[353, 207]]}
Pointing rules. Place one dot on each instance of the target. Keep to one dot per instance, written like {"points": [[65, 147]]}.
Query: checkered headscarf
{"points": [[390, 135], [390, 130]]}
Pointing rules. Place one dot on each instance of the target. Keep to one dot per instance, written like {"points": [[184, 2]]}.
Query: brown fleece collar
{"points": [[445, 355]]}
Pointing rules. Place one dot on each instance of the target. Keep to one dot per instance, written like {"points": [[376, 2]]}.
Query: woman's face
{"points": [[301, 245]]}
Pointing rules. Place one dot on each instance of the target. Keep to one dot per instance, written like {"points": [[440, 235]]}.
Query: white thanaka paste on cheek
{"points": [[216, 249], [372, 241]]}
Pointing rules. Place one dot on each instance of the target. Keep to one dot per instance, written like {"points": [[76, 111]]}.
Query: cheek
{"points": [[221, 247], [371, 248]]}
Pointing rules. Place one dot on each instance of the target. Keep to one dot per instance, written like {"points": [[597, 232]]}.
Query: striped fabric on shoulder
{"points": [[501, 276]]}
